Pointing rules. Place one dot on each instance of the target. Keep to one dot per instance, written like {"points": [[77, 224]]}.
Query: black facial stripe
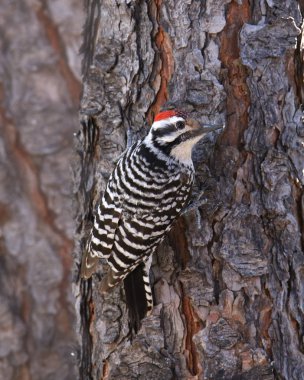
{"points": [[169, 146], [183, 137], [163, 131]]}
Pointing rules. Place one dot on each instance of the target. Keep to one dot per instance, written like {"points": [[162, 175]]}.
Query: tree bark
{"points": [[228, 284], [39, 99]]}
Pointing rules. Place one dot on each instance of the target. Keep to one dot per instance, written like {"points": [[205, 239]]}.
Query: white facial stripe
{"points": [[164, 122], [170, 138], [175, 134]]}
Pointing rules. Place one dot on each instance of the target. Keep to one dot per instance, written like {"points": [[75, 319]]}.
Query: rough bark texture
{"points": [[229, 286], [39, 93]]}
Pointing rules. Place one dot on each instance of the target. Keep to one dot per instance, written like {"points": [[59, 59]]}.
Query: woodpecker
{"points": [[147, 191]]}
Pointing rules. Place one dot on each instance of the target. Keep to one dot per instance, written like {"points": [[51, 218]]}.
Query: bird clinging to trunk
{"points": [[148, 189]]}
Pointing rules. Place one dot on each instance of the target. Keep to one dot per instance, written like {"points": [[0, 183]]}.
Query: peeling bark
{"points": [[227, 285]]}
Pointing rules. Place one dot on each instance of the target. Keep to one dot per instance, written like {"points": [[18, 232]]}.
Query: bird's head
{"points": [[175, 134]]}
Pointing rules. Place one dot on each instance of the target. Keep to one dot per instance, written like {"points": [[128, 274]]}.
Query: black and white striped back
{"points": [[145, 193]]}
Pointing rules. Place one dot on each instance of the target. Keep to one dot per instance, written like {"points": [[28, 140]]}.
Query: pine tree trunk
{"points": [[39, 97], [228, 284]]}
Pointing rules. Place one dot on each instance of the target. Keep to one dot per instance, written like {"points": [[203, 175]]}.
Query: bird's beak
{"points": [[205, 128], [199, 129]]}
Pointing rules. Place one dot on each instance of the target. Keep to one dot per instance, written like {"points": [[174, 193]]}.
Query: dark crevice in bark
{"points": [[299, 67], [90, 135], [178, 241], [136, 14], [217, 281], [90, 30], [87, 315]]}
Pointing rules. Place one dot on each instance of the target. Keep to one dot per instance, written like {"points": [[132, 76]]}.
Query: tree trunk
{"points": [[39, 94], [228, 281]]}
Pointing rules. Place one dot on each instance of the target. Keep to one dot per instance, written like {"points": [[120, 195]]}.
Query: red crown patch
{"points": [[164, 115], [170, 113]]}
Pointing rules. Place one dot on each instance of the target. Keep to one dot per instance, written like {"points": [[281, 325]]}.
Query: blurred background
{"points": [[39, 90]]}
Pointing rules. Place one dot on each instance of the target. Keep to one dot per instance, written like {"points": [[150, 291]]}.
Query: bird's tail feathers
{"points": [[138, 296]]}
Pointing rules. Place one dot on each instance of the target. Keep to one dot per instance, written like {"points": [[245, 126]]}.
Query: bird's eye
{"points": [[180, 125]]}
